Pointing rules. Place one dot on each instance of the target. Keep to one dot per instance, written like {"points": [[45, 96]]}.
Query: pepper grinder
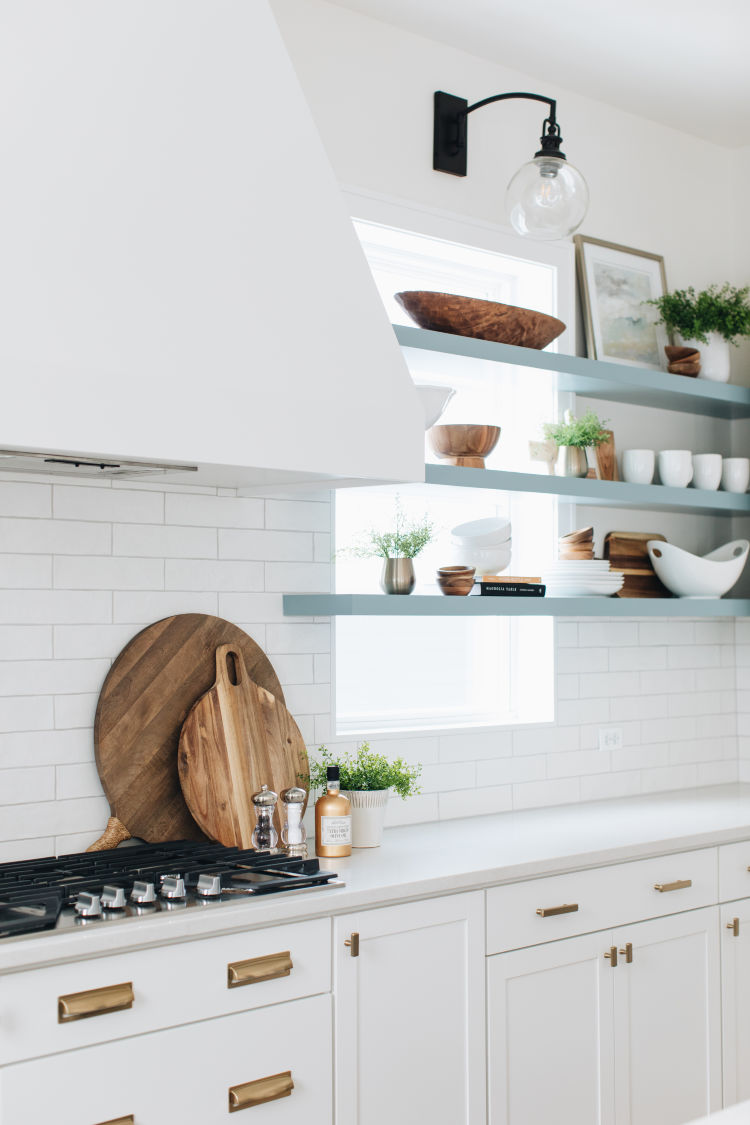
{"points": [[265, 837], [293, 833]]}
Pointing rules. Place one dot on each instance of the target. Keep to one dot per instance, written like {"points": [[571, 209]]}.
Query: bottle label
{"points": [[335, 830]]}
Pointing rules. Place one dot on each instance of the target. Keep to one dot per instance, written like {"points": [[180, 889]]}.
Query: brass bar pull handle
{"points": [[129, 1120], [353, 944], [551, 911], [262, 1090], [678, 885], [94, 1002], [257, 969], [612, 956], [627, 953], [734, 926]]}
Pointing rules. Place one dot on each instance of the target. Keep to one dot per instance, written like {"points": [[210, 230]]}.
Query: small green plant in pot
{"points": [[367, 779], [398, 549], [708, 321], [573, 436]]}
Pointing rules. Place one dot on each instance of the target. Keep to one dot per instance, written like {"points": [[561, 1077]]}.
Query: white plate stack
{"points": [[590, 578]]}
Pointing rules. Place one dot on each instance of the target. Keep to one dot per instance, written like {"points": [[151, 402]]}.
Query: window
{"points": [[409, 674]]}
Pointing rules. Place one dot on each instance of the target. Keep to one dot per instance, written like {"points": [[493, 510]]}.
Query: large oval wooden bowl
{"points": [[463, 444], [484, 320]]}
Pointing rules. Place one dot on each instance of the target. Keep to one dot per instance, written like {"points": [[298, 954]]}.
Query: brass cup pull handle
{"points": [[734, 926], [257, 969], [94, 1002], [678, 885], [352, 943], [627, 953], [129, 1120], [248, 1094], [612, 956], [551, 911]]}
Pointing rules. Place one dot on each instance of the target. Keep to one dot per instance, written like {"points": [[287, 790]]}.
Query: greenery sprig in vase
{"points": [[709, 320], [573, 436], [398, 549], [367, 779]]}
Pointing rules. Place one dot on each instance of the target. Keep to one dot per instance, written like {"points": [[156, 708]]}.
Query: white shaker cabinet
{"points": [[551, 1033], [735, 993], [621, 1026], [409, 1013]]}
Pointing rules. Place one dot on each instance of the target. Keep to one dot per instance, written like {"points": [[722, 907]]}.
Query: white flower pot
{"points": [[368, 816], [714, 357]]}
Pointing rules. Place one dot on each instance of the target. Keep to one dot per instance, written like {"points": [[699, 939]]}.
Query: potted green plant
{"points": [[573, 436], [709, 321], [398, 549], [367, 779]]}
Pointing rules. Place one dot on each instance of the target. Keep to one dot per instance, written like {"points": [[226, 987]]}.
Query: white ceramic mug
{"points": [[735, 474], [707, 471], [638, 465], [675, 467]]}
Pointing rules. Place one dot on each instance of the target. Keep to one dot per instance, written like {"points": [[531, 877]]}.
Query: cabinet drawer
{"points": [[522, 914], [182, 1076], [734, 871], [44, 1011]]}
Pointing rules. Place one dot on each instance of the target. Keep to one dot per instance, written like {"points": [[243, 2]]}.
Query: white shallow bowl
{"points": [[696, 576], [434, 400], [482, 533], [583, 591], [486, 560]]}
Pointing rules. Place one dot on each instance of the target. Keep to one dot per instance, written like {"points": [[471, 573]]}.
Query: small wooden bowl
{"points": [[455, 580], [484, 320], [464, 444]]}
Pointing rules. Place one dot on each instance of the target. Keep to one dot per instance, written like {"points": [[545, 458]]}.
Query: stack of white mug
{"points": [[678, 467]]}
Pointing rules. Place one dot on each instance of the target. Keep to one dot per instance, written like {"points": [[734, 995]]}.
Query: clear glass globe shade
{"points": [[547, 198]]}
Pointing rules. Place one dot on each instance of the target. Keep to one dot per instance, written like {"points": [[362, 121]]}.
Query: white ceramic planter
{"points": [[714, 357], [368, 816]]}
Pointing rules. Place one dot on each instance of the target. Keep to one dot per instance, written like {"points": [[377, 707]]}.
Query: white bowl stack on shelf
{"points": [[586, 578], [484, 544]]}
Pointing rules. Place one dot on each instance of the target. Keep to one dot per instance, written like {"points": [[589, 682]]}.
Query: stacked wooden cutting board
{"points": [[627, 552], [191, 721]]}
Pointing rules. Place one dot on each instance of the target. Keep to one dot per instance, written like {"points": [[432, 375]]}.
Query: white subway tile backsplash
{"points": [[19, 786], [510, 771], [81, 780], [73, 711], [607, 634], [200, 574], [638, 658], [108, 574], [25, 572], [81, 642], [154, 541], [152, 606], [268, 546], [54, 607], [473, 745], [212, 511], [694, 656], [298, 638], [475, 802], [298, 577], [607, 786], [51, 818], [46, 747], [55, 537], [76, 502], [25, 642], [666, 632], [51, 677], [28, 713], [595, 685], [535, 794], [298, 515], [29, 501]]}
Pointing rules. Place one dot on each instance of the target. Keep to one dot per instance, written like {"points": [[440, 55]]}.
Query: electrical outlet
{"points": [[610, 738]]}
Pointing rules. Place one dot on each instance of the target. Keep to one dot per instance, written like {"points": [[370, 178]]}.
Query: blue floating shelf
{"points": [[436, 605], [607, 493], [591, 377]]}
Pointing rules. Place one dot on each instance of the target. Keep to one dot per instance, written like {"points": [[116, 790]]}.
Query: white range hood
{"points": [[179, 279]]}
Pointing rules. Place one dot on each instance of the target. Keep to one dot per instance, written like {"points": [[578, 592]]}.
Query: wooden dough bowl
{"points": [[464, 445], [484, 320]]}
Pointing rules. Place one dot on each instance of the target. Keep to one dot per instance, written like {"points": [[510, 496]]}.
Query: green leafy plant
{"points": [[580, 432], [404, 542], [364, 770], [723, 309]]}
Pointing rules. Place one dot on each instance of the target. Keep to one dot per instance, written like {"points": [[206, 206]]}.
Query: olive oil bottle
{"points": [[333, 820]]}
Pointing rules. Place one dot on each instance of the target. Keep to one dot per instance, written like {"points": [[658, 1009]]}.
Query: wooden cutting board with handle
{"points": [[146, 697], [237, 737]]}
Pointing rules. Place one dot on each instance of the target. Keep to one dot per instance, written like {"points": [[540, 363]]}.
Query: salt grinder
{"points": [[293, 834], [265, 836]]}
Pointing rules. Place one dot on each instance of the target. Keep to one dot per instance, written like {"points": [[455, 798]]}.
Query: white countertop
{"points": [[734, 1115], [442, 857]]}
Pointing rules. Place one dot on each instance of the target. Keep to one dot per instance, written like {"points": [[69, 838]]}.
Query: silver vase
{"points": [[571, 461], [398, 576]]}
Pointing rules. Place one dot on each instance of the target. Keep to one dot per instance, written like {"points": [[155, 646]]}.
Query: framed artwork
{"points": [[614, 282]]}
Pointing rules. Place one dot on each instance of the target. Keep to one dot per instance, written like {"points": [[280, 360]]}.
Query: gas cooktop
{"points": [[87, 888]]}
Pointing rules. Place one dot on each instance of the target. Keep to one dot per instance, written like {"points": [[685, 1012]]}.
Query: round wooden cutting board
{"points": [[237, 737], [146, 697]]}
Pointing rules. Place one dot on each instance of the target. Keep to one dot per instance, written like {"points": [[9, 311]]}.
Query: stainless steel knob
{"points": [[172, 886], [143, 892], [88, 905], [209, 886], [113, 898]]}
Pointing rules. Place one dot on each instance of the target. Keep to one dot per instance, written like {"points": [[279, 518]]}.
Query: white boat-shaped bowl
{"points": [[434, 400], [696, 576]]}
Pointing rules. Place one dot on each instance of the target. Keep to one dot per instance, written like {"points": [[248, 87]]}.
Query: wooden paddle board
{"points": [[235, 739], [145, 699]]}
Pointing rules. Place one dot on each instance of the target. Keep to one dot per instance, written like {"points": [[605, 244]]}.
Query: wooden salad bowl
{"points": [[484, 320], [456, 580], [463, 444]]}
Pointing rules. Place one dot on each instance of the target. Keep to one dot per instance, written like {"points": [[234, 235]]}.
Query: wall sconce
{"points": [[547, 198]]}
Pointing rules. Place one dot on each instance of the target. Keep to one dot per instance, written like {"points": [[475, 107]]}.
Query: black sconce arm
{"points": [[449, 137]]}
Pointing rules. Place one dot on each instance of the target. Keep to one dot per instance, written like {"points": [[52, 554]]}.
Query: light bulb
{"points": [[547, 198]]}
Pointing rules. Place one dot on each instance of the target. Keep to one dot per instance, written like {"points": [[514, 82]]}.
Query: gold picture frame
{"points": [[614, 282]]}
